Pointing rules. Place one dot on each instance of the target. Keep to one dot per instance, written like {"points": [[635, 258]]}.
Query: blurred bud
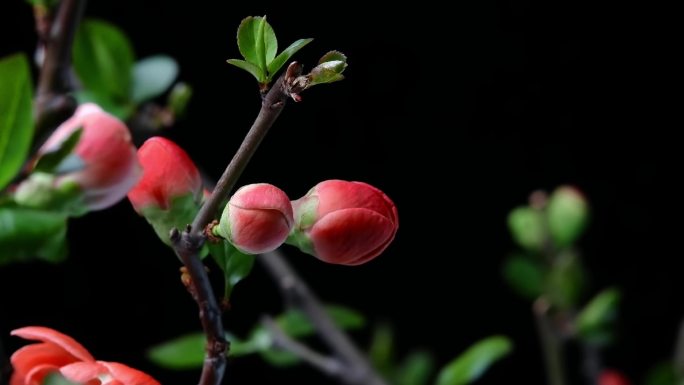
{"points": [[170, 191], [178, 99], [612, 377], [526, 225], [567, 213], [257, 219], [341, 222], [109, 164], [168, 173]]}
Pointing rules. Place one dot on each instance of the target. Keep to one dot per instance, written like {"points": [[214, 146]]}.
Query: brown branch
{"points": [[294, 289], [550, 343], [53, 104], [188, 243]]}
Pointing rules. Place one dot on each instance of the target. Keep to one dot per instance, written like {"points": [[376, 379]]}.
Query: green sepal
{"points": [[180, 213]]}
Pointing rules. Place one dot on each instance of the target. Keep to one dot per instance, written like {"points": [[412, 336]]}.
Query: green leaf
{"points": [[50, 161], [16, 115], [257, 41], [524, 275], [179, 98], [185, 352], [295, 324], [472, 363], [249, 67], [55, 378], [152, 76], [180, 213], [662, 374], [277, 63], [333, 56], [103, 59], [415, 370], [42, 191], [565, 282], [327, 72], [27, 233], [238, 266], [382, 348], [598, 315], [527, 227], [567, 214]]}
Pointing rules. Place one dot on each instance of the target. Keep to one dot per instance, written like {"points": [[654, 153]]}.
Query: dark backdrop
{"points": [[457, 115]]}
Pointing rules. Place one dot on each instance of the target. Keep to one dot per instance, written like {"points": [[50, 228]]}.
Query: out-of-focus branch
{"points": [[357, 368], [550, 343], [328, 365], [53, 104], [187, 244]]}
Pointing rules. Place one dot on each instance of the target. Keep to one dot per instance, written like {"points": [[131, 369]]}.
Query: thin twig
{"points": [[328, 365], [294, 289], [53, 104], [188, 243], [550, 343]]}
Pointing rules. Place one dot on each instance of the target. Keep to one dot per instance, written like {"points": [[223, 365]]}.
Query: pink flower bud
{"points": [[612, 377], [168, 173], [346, 223], [110, 164], [257, 219]]}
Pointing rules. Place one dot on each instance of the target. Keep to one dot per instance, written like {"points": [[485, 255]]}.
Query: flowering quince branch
{"points": [[187, 243], [356, 368], [53, 104]]}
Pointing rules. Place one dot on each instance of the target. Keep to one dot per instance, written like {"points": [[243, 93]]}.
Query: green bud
{"points": [[567, 214], [526, 225]]}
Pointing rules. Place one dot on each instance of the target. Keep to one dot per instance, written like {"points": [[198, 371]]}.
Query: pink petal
{"points": [[86, 373], [40, 333], [38, 373]]}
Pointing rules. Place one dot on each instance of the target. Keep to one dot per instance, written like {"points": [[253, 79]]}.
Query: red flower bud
{"points": [[60, 353], [346, 223], [257, 219], [168, 173], [612, 377], [110, 165]]}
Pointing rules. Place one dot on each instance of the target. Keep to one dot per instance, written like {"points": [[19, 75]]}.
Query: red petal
{"points": [[352, 236], [38, 373], [39, 333], [27, 358], [127, 375], [86, 373]]}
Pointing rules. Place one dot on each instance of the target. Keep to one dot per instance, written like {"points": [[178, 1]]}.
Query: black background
{"points": [[457, 115]]}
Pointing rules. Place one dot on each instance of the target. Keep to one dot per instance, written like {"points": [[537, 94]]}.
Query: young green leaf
{"points": [[382, 348], [238, 267], [565, 281], [103, 60], [27, 233], [152, 76], [16, 115], [277, 63], [597, 315], [329, 69], [179, 98], [295, 324], [472, 363], [567, 214], [51, 160], [249, 67], [524, 275], [257, 41], [526, 225], [185, 352], [416, 369]]}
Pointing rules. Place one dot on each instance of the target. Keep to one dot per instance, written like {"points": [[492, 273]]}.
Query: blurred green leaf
{"points": [[185, 352], [103, 59], [597, 316], [415, 370], [257, 41], [524, 275], [277, 63], [295, 324], [43, 3], [527, 227], [152, 76], [565, 282], [472, 363], [568, 213], [51, 160], [662, 374], [179, 98], [279, 358], [16, 115], [27, 233], [382, 348], [56, 379], [249, 67]]}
